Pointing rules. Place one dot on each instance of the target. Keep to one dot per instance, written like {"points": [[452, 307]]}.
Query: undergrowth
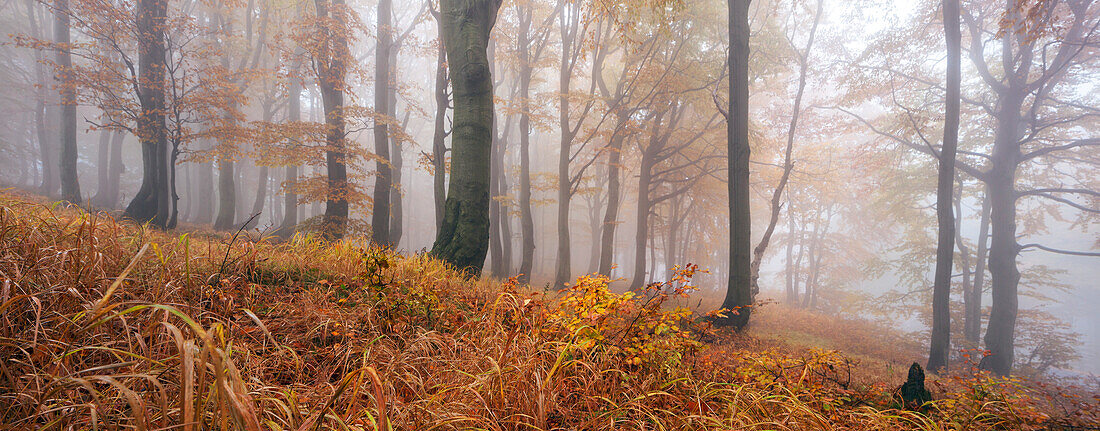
{"points": [[106, 325]]}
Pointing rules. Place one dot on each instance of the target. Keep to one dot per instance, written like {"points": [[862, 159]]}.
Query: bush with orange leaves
{"points": [[635, 327]]}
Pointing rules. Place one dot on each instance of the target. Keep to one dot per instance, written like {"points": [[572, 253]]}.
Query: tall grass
{"points": [[107, 325]]}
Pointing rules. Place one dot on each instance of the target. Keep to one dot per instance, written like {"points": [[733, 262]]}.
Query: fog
{"points": [[604, 111]]}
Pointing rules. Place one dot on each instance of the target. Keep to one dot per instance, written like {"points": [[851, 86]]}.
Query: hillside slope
{"points": [[106, 324]]}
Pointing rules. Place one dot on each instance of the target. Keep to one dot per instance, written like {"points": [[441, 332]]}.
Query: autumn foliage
{"points": [[111, 325]]}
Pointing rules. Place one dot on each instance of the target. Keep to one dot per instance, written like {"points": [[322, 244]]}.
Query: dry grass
{"points": [[106, 325]]}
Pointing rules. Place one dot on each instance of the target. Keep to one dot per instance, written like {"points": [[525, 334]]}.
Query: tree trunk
{"points": [[527, 220], [1000, 335], [945, 249], [70, 184], [103, 170], [332, 69], [568, 24], [151, 201], [739, 293], [290, 197], [47, 186], [788, 164], [114, 176], [380, 218], [792, 290], [227, 194], [439, 144], [973, 322], [464, 237], [641, 228]]}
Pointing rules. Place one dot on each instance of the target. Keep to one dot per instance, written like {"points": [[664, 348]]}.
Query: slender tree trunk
{"points": [[290, 197], [964, 258], [331, 74], [114, 175], [611, 216], [439, 144], [380, 218], [945, 249], [641, 228], [792, 291], [788, 164], [973, 323], [103, 170], [568, 23], [496, 246], [47, 186], [463, 240], [739, 293], [70, 184], [151, 201], [227, 194], [527, 221]]}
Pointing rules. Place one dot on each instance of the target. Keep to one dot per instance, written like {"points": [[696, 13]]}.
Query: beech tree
{"points": [[739, 296], [463, 238]]}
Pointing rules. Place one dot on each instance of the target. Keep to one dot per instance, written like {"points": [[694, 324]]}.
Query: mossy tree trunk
{"points": [[463, 238]]}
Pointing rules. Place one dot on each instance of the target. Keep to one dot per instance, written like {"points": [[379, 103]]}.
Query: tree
{"points": [[463, 239], [383, 180], [152, 202], [70, 185], [330, 60], [945, 249], [739, 296]]}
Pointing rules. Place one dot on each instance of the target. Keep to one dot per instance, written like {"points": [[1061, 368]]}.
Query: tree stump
{"points": [[913, 392]]}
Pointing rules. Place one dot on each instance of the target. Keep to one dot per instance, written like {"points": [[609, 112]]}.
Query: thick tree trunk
{"points": [[739, 292], [527, 220], [151, 201], [945, 249], [380, 218], [70, 184], [1000, 335], [463, 240]]}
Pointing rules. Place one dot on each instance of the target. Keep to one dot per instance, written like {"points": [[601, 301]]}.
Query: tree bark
{"points": [[290, 197], [527, 221], [973, 323], [331, 73], [380, 217], [945, 248], [103, 169], [463, 239], [739, 296], [151, 202], [70, 184]]}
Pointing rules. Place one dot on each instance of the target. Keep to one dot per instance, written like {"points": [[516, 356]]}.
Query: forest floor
{"points": [[105, 324]]}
